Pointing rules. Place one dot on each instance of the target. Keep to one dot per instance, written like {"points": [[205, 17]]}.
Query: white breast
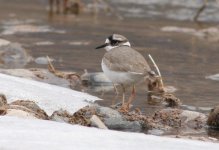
{"points": [[125, 78]]}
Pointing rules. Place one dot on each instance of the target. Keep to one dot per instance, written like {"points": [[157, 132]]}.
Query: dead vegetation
{"points": [[169, 118], [156, 92], [72, 77]]}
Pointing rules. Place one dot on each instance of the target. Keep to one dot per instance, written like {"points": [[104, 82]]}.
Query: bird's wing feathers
{"points": [[126, 59]]}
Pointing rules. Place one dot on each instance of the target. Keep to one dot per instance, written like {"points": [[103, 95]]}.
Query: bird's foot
{"points": [[124, 108]]}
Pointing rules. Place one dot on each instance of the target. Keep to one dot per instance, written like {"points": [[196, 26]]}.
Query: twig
{"points": [[156, 67], [50, 66], [200, 10], [60, 74]]}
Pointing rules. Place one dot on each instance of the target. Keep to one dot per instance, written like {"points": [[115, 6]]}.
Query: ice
{"points": [[49, 97], [213, 77], [25, 134]]}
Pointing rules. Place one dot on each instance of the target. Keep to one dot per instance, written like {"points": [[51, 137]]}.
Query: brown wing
{"points": [[126, 59]]}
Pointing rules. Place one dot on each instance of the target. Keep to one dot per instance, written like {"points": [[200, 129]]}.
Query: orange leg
{"points": [[131, 98], [123, 95], [125, 106]]}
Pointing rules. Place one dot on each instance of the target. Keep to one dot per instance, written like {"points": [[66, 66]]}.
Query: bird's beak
{"points": [[102, 46]]}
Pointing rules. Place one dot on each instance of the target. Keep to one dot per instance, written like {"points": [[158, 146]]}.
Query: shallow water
{"points": [[168, 9], [184, 60]]}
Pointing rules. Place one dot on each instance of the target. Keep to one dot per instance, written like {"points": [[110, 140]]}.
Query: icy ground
{"points": [[48, 97], [26, 134]]}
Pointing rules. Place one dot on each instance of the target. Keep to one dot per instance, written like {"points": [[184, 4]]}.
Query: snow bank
{"points": [[48, 97], [25, 134]]}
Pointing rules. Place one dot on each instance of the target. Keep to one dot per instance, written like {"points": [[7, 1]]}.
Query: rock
{"points": [[3, 100], [31, 105], [13, 55], [111, 118], [115, 120], [20, 113], [42, 60], [123, 125], [60, 116], [81, 117], [21, 108], [95, 121], [26, 108], [42, 75], [183, 120], [213, 118]]}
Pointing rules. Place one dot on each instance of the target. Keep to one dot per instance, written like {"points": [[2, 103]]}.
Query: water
{"points": [[184, 60]]}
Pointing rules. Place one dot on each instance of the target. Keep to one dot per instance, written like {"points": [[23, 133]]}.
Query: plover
{"points": [[123, 65]]}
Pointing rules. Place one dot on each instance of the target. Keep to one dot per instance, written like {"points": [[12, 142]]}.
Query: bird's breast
{"points": [[119, 77]]}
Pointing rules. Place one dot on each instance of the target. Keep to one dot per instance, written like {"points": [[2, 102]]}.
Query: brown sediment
{"points": [[168, 118], [157, 94], [171, 100], [213, 118], [81, 117], [29, 106], [3, 110]]}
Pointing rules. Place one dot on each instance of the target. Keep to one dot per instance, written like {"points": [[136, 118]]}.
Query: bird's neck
{"points": [[109, 47]]}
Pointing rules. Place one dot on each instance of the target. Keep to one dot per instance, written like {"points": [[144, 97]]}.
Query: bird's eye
{"points": [[114, 42]]}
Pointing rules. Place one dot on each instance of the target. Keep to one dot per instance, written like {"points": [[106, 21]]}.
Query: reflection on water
{"points": [[168, 9], [183, 59]]}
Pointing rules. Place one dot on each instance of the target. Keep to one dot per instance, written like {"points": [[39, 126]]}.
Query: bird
{"points": [[123, 65]]}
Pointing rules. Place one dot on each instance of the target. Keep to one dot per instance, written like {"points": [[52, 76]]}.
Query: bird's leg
{"points": [[123, 95], [131, 98], [124, 108], [116, 94], [115, 90]]}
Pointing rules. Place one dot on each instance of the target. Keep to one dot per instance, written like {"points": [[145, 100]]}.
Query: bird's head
{"points": [[114, 41]]}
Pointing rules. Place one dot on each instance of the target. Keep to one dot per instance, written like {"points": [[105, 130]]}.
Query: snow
{"points": [[49, 97], [25, 134]]}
